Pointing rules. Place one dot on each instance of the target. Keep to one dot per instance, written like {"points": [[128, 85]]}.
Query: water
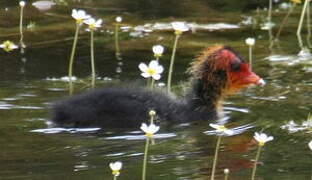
{"points": [[30, 81]]}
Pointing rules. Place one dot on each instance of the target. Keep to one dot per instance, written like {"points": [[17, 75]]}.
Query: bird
{"points": [[217, 72]]}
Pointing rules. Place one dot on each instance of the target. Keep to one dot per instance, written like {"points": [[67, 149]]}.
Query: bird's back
{"points": [[114, 107]]}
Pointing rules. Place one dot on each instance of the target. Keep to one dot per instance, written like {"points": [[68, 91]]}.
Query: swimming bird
{"points": [[217, 72]]}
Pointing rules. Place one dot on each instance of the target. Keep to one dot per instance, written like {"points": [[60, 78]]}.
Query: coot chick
{"points": [[219, 71]]}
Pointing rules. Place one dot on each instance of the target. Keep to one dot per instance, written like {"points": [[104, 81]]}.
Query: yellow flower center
{"points": [[151, 71], [92, 26], [178, 32], [116, 172], [222, 128], [157, 55], [8, 46], [149, 135], [79, 21], [296, 1], [261, 143]]}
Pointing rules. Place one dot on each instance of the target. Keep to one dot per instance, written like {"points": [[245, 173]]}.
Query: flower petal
{"points": [[145, 75], [143, 67], [153, 64], [160, 69], [229, 132], [144, 127], [156, 76], [215, 126]]}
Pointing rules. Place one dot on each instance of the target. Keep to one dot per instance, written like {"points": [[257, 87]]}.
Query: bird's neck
{"points": [[205, 96]]}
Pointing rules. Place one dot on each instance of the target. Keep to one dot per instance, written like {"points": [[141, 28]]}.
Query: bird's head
{"points": [[220, 66]]}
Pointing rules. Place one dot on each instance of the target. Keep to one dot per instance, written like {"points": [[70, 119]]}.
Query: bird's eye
{"points": [[235, 66]]}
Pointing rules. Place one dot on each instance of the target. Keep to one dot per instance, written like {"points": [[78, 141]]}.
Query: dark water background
{"points": [[183, 152]]}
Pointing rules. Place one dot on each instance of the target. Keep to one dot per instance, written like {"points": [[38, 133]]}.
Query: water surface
{"points": [[31, 79]]}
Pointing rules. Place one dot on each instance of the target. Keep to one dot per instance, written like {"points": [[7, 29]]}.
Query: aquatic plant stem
{"points": [[21, 28], [250, 57], [215, 158], [71, 60], [308, 24], [152, 83], [92, 57], [145, 158], [291, 9], [255, 163], [152, 119], [117, 39], [300, 23], [172, 63], [226, 176], [270, 11]]}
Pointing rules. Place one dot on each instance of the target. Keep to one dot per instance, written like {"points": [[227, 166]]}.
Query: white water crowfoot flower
{"points": [[115, 167], [93, 24], [221, 129], [158, 51], [8, 46], [250, 41], [262, 138], [180, 27], [22, 3], [118, 19], [80, 16], [310, 145], [149, 130], [152, 70]]}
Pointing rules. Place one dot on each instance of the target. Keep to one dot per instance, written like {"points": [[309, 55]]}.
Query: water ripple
{"points": [[236, 130], [70, 130], [139, 137]]}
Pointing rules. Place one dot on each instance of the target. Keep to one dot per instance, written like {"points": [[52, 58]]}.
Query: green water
{"points": [[184, 151]]}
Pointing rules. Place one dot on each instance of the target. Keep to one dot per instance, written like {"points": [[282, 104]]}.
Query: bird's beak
{"points": [[254, 79]]}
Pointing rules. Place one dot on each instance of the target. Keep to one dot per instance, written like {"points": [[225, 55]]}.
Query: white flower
{"points": [[80, 16], [180, 27], [118, 19], [149, 130], [116, 167], [8, 46], [93, 24], [22, 3], [152, 70], [226, 171], [158, 50], [310, 145], [250, 41], [222, 129], [262, 138]]}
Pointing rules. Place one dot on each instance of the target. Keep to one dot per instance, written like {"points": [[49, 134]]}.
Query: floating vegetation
{"points": [[43, 5], [69, 130]]}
